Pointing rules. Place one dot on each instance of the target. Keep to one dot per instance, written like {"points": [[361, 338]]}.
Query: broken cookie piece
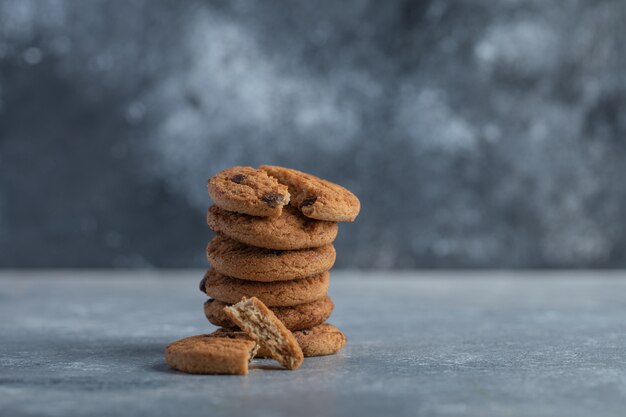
{"points": [[206, 354], [260, 323]]}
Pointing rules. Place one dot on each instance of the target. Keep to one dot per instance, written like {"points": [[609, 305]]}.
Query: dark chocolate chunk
{"points": [[309, 201], [202, 285], [238, 178], [271, 199]]}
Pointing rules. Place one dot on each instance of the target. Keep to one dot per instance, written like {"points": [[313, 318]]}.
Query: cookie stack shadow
{"points": [[275, 229]]}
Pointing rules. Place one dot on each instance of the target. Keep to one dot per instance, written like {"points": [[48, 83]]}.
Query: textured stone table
{"points": [[534, 344]]}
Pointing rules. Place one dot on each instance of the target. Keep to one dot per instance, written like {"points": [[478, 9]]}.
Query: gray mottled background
{"points": [[476, 133]]}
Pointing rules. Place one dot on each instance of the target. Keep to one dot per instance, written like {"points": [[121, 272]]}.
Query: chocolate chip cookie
{"points": [[315, 197], [248, 190], [237, 260], [321, 340], [302, 316], [273, 294], [205, 354], [290, 231]]}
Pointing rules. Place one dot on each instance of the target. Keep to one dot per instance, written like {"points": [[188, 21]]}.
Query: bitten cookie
{"points": [[322, 340], [274, 294], [315, 197], [261, 324], [290, 231], [248, 190], [204, 354], [302, 316], [237, 260]]}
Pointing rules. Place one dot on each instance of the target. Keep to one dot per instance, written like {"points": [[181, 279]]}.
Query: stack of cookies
{"points": [[274, 231]]}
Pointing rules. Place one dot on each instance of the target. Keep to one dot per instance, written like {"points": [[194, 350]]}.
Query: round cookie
{"points": [[248, 190], [206, 354], [321, 340], [290, 231], [302, 316], [315, 197], [237, 260], [273, 294]]}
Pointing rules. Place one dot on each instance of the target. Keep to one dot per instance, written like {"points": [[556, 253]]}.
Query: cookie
{"points": [[321, 340], [204, 354], [262, 325], [274, 294], [248, 190], [290, 231], [302, 316], [237, 260], [316, 198]]}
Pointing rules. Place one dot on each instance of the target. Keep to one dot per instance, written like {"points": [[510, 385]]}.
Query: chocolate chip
{"points": [[202, 285], [271, 199], [309, 201], [238, 178]]}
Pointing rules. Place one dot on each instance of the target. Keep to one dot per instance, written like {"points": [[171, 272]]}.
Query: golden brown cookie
{"points": [[315, 197], [322, 340], [204, 354], [237, 260], [302, 316], [262, 325], [248, 190], [274, 294], [290, 231]]}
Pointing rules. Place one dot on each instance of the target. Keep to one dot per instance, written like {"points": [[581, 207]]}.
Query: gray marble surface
{"points": [[444, 344]]}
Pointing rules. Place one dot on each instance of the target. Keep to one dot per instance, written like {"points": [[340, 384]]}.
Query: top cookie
{"points": [[316, 198], [249, 191]]}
